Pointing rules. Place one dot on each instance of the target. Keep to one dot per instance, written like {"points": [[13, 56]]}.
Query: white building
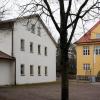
{"points": [[27, 52]]}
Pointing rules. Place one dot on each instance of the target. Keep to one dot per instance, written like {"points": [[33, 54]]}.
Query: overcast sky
{"points": [[14, 12]]}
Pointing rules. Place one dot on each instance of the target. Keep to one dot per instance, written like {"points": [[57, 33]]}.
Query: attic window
{"points": [[98, 36], [33, 28], [39, 31]]}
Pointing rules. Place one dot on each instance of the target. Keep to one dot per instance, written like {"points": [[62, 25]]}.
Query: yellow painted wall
{"points": [[83, 59], [93, 60], [95, 31]]}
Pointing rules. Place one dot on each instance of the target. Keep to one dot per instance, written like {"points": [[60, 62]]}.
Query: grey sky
{"points": [[14, 12]]}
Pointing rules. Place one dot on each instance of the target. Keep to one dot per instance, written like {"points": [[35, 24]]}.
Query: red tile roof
{"points": [[86, 38], [6, 56]]}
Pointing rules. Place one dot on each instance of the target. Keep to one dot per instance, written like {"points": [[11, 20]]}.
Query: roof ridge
{"points": [[87, 35]]}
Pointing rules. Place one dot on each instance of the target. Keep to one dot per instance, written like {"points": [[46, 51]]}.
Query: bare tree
{"points": [[3, 8], [70, 14]]}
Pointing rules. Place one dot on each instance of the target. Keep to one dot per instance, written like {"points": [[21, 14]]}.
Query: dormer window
{"points": [[33, 28], [98, 36]]}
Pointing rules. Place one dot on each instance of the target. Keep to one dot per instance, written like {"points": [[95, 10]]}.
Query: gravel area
{"points": [[51, 91]]}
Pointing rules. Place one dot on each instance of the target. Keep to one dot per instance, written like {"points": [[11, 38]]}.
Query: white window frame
{"points": [[46, 71], [39, 70], [31, 70], [33, 28], [39, 49], [39, 31], [86, 66], [98, 36], [86, 50], [22, 45], [22, 70], [45, 51], [97, 50], [31, 47]]}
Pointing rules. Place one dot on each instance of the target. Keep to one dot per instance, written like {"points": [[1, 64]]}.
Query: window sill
{"points": [[31, 52], [31, 75], [23, 75], [22, 50]]}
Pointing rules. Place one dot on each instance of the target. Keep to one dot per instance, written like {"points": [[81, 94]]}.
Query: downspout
{"points": [[12, 52]]}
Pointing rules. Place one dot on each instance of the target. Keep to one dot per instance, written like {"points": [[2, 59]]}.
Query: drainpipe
{"points": [[12, 51], [94, 60]]}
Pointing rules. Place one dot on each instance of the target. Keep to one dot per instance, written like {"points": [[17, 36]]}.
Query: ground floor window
{"points": [[22, 69], [46, 72], [39, 70], [86, 66], [31, 70]]}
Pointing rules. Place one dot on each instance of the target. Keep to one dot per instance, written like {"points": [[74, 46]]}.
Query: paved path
{"points": [[78, 91]]}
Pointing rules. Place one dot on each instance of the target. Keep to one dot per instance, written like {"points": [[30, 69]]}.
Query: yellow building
{"points": [[88, 53]]}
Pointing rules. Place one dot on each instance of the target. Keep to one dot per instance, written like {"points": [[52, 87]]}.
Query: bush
{"points": [[98, 77], [98, 74]]}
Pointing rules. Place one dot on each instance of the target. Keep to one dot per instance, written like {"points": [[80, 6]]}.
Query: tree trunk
{"points": [[64, 68]]}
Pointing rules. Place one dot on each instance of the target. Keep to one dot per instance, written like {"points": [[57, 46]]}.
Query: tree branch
{"points": [[68, 10], [76, 20], [52, 17]]}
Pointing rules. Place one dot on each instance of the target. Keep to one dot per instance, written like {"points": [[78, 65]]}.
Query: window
{"points": [[97, 50], [39, 70], [39, 31], [39, 49], [86, 66], [31, 47], [86, 50], [98, 36], [33, 28], [46, 71], [45, 51], [22, 45], [22, 70], [31, 70]]}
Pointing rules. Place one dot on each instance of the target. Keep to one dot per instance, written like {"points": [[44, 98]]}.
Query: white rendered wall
{"points": [[5, 73], [27, 58], [6, 41]]}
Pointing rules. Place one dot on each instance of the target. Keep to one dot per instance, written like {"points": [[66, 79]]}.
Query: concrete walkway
{"points": [[77, 91]]}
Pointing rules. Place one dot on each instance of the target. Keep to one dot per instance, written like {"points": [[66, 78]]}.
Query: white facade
{"points": [[27, 58], [5, 41]]}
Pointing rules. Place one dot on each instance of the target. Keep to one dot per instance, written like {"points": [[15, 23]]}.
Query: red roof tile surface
{"points": [[86, 38], [6, 56]]}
